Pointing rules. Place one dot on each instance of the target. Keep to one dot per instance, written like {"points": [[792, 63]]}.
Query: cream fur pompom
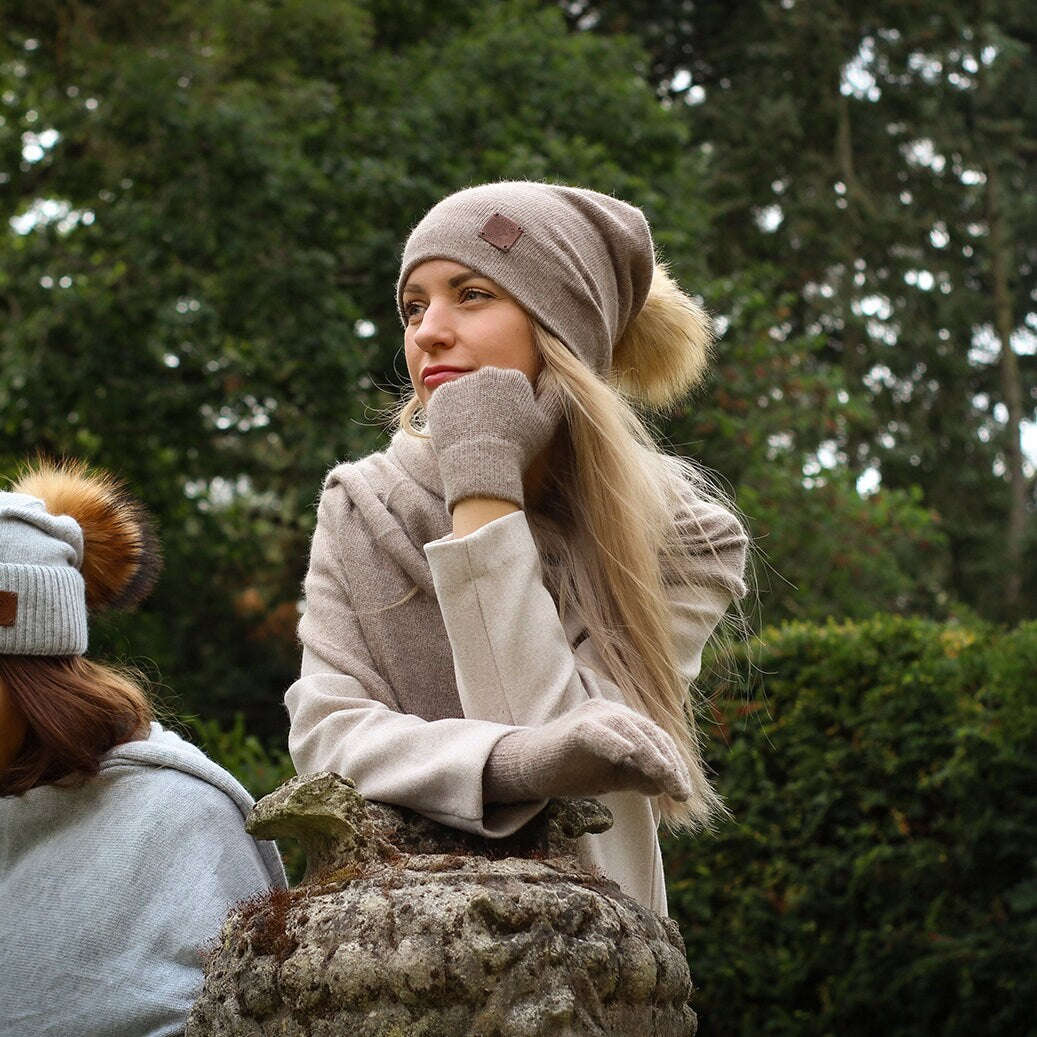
{"points": [[666, 348], [121, 554]]}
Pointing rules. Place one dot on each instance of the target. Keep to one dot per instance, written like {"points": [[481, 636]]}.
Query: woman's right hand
{"points": [[486, 428], [599, 747]]}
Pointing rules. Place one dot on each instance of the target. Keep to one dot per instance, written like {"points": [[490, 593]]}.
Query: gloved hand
{"points": [[596, 748], [486, 427]]}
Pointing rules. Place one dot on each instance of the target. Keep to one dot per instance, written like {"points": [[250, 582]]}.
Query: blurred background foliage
{"points": [[204, 206], [203, 209]]}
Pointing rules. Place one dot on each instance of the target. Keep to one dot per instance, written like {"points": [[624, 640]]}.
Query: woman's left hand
{"points": [[597, 748], [486, 429]]}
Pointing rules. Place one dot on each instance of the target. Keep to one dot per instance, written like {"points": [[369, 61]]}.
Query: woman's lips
{"points": [[434, 376]]}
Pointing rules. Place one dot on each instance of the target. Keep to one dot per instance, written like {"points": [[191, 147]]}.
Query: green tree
{"points": [[771, 423], [173, 307], [880, 157], [203, 215]]}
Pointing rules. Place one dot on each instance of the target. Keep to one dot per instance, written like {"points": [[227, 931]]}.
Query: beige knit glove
{"points": [[486, 427], [596, 748]]}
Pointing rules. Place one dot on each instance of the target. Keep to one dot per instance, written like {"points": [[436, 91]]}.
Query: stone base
{"points": [[445, 945]]}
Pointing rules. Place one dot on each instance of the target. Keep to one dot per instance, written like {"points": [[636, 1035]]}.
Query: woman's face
{"points": [[459, 321], [12, 727]]}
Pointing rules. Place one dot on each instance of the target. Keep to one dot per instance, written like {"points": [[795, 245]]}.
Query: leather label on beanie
{"points": [[8, 608], [501, 232]]}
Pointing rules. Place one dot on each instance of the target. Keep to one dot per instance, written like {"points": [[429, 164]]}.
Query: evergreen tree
{"points": [[879, 158]]}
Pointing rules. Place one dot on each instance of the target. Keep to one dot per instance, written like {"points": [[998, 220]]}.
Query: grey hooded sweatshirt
{"points": [[109, 893]]}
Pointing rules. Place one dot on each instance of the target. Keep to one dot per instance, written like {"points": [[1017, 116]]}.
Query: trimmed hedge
{"points": [[880, 871]]}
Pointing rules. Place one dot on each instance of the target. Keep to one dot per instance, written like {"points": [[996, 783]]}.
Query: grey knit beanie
{"points": [[578, 261], [72, 540], [42, 593]]}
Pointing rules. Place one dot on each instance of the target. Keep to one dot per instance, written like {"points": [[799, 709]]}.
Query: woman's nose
{"points": [[436, 330]]}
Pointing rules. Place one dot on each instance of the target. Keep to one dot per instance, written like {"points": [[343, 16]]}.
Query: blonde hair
{"points": [[611, 529], [619, 493]]}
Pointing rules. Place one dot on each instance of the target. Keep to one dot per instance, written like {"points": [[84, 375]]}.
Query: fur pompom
{"points": [[121, 553], [665, 349]]}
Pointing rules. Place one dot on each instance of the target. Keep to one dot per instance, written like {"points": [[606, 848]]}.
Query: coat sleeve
{"points": [[434, 767], [512, 657], [343, 716]]}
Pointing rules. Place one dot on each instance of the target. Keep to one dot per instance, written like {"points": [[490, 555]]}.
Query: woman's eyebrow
{"points": [[459, 279], [454, 282], [469, 275]]}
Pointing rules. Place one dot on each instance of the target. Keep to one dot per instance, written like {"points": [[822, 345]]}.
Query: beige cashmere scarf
{"points": [[368, 561]]}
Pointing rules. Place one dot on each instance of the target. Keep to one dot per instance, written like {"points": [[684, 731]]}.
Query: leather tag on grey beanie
{"points": [[501, 232], [8, 608]]}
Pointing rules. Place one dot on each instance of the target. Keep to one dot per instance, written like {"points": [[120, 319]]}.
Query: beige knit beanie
{"points": [[578, 261], [583, 265]]}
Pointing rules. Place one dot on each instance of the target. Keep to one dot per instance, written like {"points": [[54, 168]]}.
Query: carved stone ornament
{"points": [[406, 928]]}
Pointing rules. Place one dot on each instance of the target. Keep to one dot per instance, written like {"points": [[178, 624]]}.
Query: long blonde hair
{"points": [[610, 506], [619, 494]]}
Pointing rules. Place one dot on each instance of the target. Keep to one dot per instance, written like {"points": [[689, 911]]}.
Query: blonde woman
{"points": [[510, 603]]}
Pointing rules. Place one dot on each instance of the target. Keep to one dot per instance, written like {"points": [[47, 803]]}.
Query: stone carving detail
{"points": [[406, 928]]}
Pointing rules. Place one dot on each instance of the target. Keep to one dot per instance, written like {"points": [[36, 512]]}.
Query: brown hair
{"points": [[76, 711]]}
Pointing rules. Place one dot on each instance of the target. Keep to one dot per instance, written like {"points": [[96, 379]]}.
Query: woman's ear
{"points": [[666, 348]]}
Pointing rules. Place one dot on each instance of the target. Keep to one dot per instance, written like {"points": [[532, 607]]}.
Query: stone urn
{"points": [[403, 927]]}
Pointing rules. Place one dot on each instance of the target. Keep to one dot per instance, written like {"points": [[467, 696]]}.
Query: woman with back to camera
{"points": [[510, 602], [122, 847]]}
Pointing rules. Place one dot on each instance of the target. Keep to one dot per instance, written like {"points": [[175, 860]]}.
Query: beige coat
{"points": [[421, 652]]}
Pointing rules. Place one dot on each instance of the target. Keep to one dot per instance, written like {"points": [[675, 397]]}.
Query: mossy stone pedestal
{"points": [[406, 928]]}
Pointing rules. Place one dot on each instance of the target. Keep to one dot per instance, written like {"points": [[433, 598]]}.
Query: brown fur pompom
{"points": [[665, 349], [121, 554]]}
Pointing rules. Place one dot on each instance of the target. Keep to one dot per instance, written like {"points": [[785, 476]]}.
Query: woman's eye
{"points": [[474, 294], [412, 309]]}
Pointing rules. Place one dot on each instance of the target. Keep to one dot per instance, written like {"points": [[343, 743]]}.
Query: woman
{"points": [[510, 604], [122, 847]]}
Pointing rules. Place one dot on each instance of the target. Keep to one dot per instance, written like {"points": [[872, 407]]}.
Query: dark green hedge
{"points": [[880, 872]]}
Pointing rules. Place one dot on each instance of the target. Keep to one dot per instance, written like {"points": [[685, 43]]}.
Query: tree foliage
{"points": [[173, 299], [204, 209], [879, 158]]}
